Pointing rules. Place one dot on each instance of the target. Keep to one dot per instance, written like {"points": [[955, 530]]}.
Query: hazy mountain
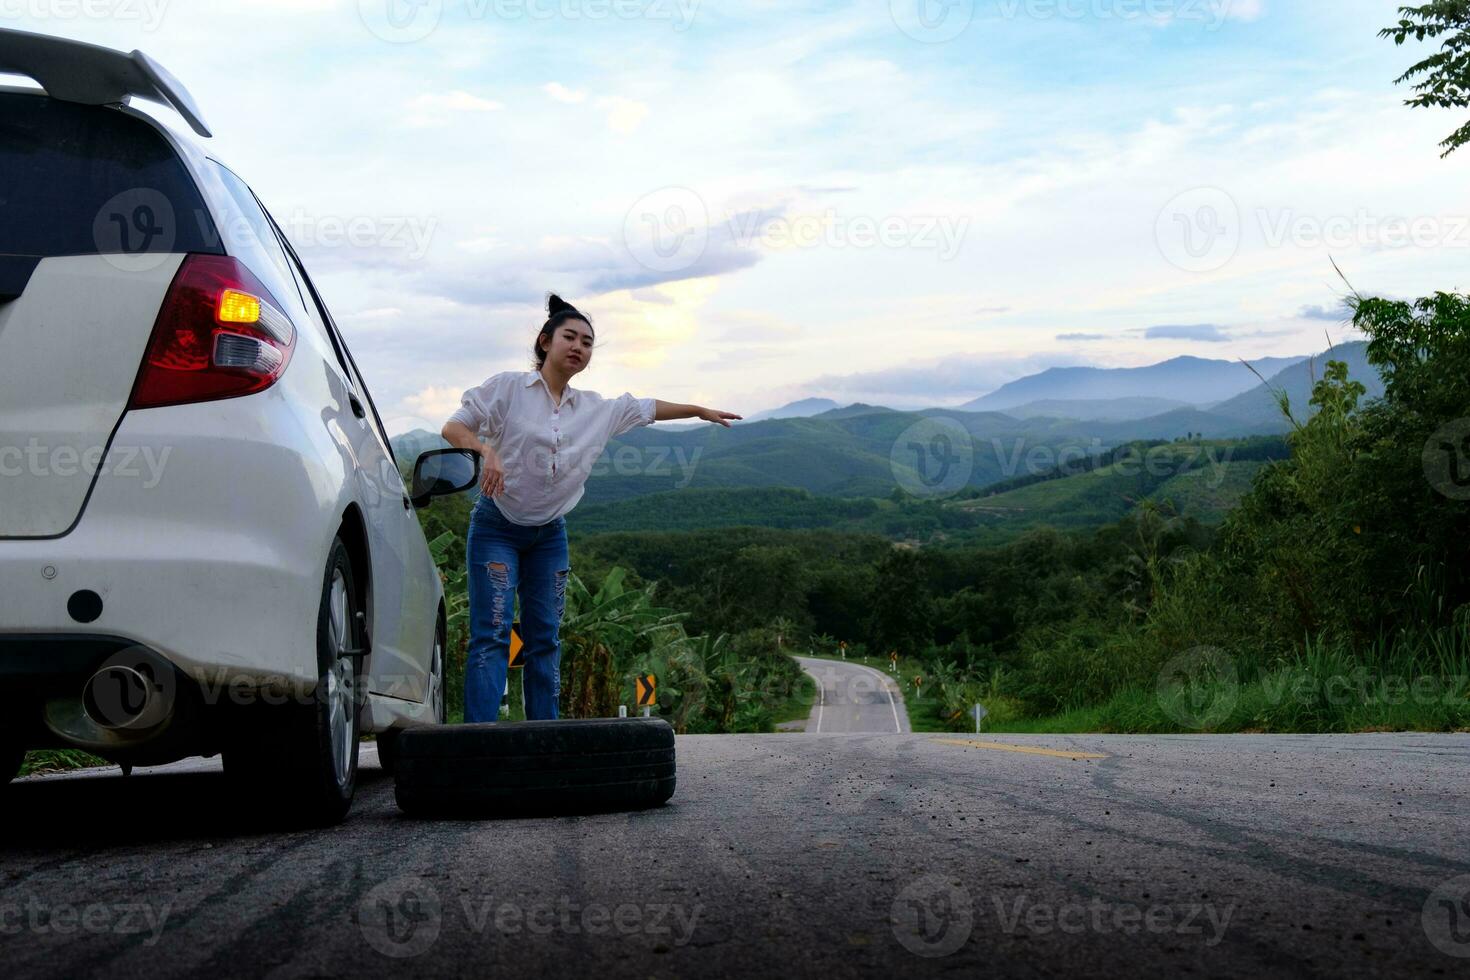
{"points": [[800, 409], [1192, 380], [864, 450], [1260, 405], [406, 447], [1181, 422], [1098, 409], [854, 410], [848, 452]]}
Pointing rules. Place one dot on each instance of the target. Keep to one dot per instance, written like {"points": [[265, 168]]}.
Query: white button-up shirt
{"points": [[548, 450]]}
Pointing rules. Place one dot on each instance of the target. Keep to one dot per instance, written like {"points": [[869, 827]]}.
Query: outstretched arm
{"points": [[674, 410]]}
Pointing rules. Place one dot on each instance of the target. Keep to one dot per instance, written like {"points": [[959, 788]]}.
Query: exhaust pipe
{"points": [[133, 699], [122, 697]]}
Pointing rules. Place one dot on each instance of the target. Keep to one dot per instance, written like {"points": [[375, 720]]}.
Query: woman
{"points": [[538, 438]]}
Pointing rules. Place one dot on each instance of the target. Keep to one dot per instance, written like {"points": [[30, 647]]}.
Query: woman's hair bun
{"points": [[556, 304]]}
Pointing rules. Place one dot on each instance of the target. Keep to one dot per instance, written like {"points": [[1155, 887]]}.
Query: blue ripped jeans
{"points": [[503, 558]]}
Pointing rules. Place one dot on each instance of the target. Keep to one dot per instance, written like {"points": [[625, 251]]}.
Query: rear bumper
{"points": [[217, 606], [212, 558], [53, 663]]}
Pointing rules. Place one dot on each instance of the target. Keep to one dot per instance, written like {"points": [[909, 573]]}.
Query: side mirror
{"points": [[442, 472]]}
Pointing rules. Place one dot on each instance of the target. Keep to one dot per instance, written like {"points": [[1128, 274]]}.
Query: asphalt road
{"points": [[853, 698], [786, 856]]}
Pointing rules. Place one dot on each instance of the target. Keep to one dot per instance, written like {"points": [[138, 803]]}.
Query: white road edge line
{"points": [[883, 682]]}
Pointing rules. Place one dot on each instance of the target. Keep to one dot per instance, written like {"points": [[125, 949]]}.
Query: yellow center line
{"points": [[1024, 749]]}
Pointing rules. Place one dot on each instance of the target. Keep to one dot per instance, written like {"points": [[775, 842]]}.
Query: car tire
{"points": [[311, 747], [434, 700], [536, 767]]}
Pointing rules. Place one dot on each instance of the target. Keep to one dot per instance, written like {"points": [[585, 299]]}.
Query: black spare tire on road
{"points": [[535, 767]]}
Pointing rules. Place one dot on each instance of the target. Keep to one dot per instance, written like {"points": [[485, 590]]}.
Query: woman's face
{"points": [[570, 346]]}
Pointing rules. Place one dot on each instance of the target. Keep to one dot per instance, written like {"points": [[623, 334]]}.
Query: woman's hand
{"points": [[715, 415], [492, 473]]}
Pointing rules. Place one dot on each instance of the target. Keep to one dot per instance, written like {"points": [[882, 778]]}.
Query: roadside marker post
{"points": [[517, 657], [979, 713], [646, 689], [622, 711], [843, 647]]}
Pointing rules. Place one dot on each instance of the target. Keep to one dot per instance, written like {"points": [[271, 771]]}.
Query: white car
{"points": [[205, 542]]}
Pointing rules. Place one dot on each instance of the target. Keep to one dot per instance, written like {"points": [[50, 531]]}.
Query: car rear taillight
{"points": [[219, 334]]}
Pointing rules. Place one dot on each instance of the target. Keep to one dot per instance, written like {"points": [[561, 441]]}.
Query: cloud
{"points": [[561, 93], [374, 313], [433, 402], [623, 115], [478, 246], [489, 271], [1242, 10], [651, 296], [743, 355], [1205, 332], [1081, 336], [952, 379], [438, 108], [1335, 314]]}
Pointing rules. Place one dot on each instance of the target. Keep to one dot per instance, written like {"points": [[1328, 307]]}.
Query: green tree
{"points": [[902, 610], [1443, 79]]}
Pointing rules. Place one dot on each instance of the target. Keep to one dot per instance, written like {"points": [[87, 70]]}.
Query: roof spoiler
{"points": [[77, 72]]}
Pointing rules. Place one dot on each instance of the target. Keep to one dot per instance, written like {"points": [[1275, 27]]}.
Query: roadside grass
{"points": [[1406, 683], [923, 710], [1320, 692], [797, 707], [58, 760]]}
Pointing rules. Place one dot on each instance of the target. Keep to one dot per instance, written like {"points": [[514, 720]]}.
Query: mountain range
{"points": [[856, 450], [1190, 380], [1216, 394]]}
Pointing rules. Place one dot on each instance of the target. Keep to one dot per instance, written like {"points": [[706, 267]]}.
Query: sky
{"points": [[898, 202]]}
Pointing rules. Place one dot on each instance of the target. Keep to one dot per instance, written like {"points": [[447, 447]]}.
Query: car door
{"points": [[403, 607]]}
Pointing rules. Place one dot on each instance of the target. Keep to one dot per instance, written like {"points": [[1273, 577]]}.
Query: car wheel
{"points": [[435, 697], [434, 702], [311, 747]]}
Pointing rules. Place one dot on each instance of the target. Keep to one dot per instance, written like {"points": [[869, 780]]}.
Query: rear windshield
{"points": [[88, 180]]}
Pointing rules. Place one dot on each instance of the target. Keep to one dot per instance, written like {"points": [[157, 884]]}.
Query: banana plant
{"points": [[602, 633], [452, 574]]}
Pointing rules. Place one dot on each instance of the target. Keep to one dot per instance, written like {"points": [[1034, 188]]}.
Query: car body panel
{"points": [[70, 346], [206, 528]]}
